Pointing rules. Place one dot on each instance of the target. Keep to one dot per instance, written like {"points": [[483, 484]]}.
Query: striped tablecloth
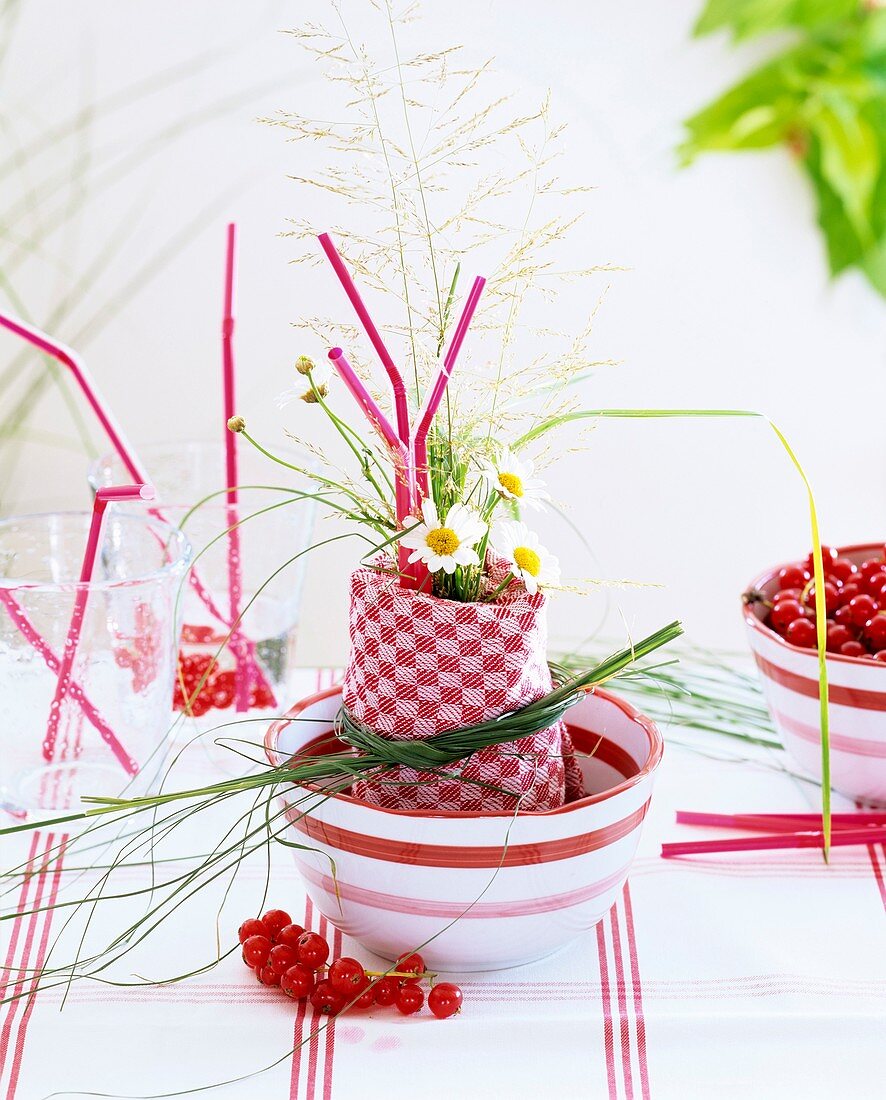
{"points": [[736, 976]]}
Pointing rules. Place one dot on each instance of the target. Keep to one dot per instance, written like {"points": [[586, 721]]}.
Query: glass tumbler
{"points": [[251, 576], [110, 726]]}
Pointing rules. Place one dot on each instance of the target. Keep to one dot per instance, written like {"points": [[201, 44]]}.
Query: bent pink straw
{"points": [[840, 838], [777, 822], [91, 713], [128, 457], [435, 394], [401, 409], [242, 671], [103, 497]]}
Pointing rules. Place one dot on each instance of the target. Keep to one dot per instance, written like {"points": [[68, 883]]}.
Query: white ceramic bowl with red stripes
{"points": [[856, 693], [487, 890]]}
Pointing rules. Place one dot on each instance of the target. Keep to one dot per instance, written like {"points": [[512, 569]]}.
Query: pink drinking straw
{"points": [[124, 449], [398, 450], [840, 838], [401, 408], [103, 497], [242, 672], [435, 394], [785, 822], [76, 692], [413, 575]]}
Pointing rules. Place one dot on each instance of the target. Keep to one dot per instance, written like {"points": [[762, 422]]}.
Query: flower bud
{"points": [[304, 365], [236, 424]]}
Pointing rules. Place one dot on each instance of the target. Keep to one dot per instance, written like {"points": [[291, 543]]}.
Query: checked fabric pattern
{"points": [[421, 665]]}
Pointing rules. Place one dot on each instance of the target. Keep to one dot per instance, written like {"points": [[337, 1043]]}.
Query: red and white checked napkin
{"points": [[421, 666]]}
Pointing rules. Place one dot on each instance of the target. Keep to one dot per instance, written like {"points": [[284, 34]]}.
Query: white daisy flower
{"points": [[528, 559], [512, 478], [448, 544], [308, 372]]}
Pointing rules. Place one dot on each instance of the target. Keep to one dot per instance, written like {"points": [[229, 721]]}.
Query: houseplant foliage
{"points": [[823, 97]]}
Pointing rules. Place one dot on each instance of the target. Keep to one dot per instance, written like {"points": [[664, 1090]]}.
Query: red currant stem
{"points": [[399, 974]]}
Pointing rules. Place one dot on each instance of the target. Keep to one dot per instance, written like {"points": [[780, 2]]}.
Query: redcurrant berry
{"points": [[313, 950], [411, 963], [290, 934], [849, 591], [251, 927], [410, 998], [282, 956], [838, 635], [784, 613], [298, 982], [875, 633], [385, 990], [831, 597], [366, 999], [801, 632], [853, 649], [256, 950], [792, 576], [326, 1000], [861, 608], [267, 976], [445, 1000], [843, 616], [874, 583], [881, 656], [274, 920], [841, 569], [347, 976], [829, 555], [871, 566]]}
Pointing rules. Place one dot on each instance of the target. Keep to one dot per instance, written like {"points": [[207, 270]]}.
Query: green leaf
{"points": [[758, 112], [747, 18], [849, 160]]}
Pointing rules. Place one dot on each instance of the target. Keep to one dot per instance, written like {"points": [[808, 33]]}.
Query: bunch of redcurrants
{"points": [[854, 598], [286, 955]]}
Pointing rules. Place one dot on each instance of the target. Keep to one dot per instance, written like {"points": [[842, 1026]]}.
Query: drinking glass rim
{"points": [[178, 564], [306, 459]]}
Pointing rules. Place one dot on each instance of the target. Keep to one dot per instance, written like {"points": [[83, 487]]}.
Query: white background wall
{"points": [[726, 303]]}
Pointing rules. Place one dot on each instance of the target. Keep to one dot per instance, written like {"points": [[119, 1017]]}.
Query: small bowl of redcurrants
{"points": [[779, 609]]}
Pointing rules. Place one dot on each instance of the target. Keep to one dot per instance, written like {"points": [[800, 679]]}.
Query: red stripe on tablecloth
{"points": [[638, 994], [480, 910], [299, 1029], [608, 1039], [41, 959], [318, 1031], [330, 1031], [458, 855], [33, 921], [624, 1024], [802, 685], [17, 924]]}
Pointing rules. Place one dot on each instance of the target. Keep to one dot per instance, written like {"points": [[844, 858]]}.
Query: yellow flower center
{"points": [[511, 483], [528, 560], [443, 541]]}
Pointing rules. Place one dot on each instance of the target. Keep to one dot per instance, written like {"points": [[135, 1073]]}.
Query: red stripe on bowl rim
{"points": [[757, 624], [840, 742], [480, 910], [858, 698], [462, 856], [653, 759]]}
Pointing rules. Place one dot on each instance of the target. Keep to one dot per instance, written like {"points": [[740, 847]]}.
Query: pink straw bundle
{"points": [[785, 831], [408, 453]]}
